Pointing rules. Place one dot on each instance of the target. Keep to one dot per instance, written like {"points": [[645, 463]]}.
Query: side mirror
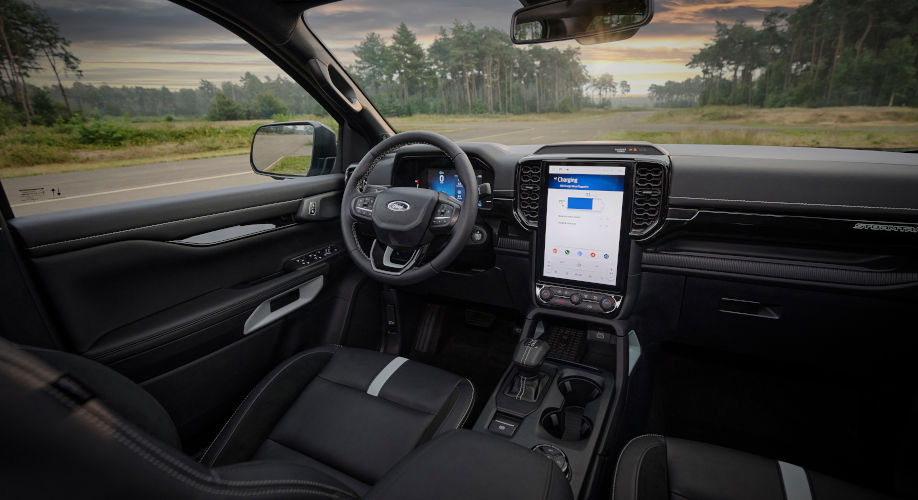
{"points": [[293, 149], [587, 21]]}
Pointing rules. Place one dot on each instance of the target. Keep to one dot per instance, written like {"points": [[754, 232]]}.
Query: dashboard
{"points": [[818, 218]]}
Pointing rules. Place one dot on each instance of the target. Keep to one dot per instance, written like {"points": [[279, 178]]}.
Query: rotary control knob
{"points": [[607, 304], [576, 298], [545, 294], [557, 456]]}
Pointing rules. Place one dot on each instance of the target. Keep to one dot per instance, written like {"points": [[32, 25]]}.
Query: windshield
{"points": [[763, 72]]}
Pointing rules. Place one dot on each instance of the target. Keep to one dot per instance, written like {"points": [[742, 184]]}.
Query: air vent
{"points": [[529, 179], [649, 191]]}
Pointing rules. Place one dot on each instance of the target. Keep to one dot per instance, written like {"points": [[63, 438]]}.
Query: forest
{"points": [[468, 70], [825, 53]]}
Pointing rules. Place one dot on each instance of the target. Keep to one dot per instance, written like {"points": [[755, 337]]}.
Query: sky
{"points": [[152, 43]]}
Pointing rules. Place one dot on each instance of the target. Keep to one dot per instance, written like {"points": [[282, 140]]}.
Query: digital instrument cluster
{"points": [[438, 173]]}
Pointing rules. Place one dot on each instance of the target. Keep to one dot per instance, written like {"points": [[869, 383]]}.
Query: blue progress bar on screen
{"points": [[580, 203]]}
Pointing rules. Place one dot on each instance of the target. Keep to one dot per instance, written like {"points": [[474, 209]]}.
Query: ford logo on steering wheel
{"points": [[398, 206]]}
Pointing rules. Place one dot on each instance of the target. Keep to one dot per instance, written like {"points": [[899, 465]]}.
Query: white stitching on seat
{"points": [[292, 486], [279, 370], [116, 428], [618, 463], [468, 409]]}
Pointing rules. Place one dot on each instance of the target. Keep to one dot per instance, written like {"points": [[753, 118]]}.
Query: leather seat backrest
{"points": [[61, 441]]}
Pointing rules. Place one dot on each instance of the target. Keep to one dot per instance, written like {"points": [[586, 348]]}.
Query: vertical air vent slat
{"points": [[647, 207], [529, 181]]}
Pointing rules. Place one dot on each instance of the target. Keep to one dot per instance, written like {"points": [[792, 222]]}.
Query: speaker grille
{"points": [[647, 207], [529, 179]]}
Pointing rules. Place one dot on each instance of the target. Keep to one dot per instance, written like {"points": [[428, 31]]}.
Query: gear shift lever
{"points": [[528, 358]]}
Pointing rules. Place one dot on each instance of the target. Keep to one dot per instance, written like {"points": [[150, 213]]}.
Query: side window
{"points": [[101, 105]]}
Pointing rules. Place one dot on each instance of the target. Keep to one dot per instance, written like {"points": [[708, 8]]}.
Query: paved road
{"points": [[39, 194], [111, 185]]}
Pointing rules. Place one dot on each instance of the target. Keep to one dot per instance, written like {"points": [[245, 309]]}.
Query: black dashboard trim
{"points": [[801, 273]]}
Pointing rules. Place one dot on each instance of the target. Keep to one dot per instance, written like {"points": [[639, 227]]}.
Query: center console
{"points": [[557, 397], [587, 204], [582, 240]]}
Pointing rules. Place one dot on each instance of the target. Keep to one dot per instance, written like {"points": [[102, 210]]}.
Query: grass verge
{"points": [[833, 117], [77, 146], [873, 139]]}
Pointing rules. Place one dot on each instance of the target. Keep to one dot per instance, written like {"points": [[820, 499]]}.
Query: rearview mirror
{"points": [[588, 21], [293, 149]]}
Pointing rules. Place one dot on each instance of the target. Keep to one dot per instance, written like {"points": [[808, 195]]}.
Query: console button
{"points": [[576, 298], [595, 335], [557, 456], [607, 304], [545, 294], [478, 235], [503, 427]]}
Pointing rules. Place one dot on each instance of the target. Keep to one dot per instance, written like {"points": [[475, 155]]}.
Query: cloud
{"points": [[699, 12], [155, 42]]}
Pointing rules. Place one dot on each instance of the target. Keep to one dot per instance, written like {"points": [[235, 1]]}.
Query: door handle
{"points": [[749, 308], [283, 304]]}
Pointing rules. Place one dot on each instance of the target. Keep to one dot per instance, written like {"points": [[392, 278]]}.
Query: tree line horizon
{"points": [[827, 52]]}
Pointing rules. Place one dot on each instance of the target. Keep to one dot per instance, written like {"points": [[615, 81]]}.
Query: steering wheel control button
{"points": [[363, 205], [503, 426], [443, 215]]}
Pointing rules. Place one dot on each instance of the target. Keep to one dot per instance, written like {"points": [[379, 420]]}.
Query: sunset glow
{"points": [[153, 43]]}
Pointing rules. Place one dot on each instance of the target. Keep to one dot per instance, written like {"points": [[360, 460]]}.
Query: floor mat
{"points": [[837, 424], [477, 344]]}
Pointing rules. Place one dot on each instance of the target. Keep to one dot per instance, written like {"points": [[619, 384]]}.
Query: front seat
{"points": [[653, 467], [329, 422], [350, 413]]}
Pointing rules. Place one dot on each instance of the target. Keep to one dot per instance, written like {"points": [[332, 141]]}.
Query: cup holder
{"points": [[578, 391], [568, 423]]}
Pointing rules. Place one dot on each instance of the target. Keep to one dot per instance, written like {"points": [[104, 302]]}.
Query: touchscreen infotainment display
{"points": [[583, 222]]}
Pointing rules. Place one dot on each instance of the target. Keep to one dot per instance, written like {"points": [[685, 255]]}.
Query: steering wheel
{"points": [[406, 219]]}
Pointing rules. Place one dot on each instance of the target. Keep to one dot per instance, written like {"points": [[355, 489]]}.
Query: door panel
{"points": [[161, 289], [168, 218]]}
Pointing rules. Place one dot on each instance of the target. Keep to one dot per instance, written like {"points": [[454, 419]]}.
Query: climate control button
{"points": [[545, 294], [607, 304]]}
